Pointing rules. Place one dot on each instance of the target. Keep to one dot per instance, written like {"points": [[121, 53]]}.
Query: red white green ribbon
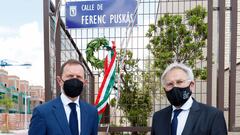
{"points": [[108, 81]]}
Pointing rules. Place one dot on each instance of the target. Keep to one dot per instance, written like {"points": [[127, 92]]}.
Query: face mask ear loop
{"points": [[62, 79], [190, 84]]}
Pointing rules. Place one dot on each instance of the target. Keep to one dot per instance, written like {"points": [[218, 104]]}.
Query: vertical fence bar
{"points": [[232, 72], [46, 7], [209, 52], [57, 45], [221, 51]]}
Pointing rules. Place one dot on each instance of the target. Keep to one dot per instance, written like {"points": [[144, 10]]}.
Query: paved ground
{"points": [[24, 132], [16, 132]]}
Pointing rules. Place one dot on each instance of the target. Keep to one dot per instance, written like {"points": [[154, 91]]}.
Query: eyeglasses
{"points": [[177, 83]]}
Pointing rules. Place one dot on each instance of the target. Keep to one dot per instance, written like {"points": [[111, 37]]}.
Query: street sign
{"points": [[101, 13]]}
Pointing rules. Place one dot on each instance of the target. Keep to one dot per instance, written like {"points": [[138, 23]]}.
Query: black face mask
{"points": [[73, 87], [178, 96]]}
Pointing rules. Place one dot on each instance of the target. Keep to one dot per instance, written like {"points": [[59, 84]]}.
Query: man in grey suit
{"points": [[185, 116]]}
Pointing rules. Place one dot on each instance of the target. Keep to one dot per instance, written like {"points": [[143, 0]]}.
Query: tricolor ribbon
{"points": [[108, 81]]}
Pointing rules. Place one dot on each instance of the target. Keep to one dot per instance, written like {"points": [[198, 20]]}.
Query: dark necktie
{"points": [[175, 121], [73, 121]]}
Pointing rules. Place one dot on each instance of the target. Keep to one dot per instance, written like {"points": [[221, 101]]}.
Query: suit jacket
{"points": [[202, 120], [50, 119]]}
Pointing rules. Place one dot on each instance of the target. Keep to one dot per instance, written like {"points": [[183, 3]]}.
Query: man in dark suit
{"points": [[185, 116], [67, 114]]}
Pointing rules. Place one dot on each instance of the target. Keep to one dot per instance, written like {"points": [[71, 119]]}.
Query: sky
{"points": [[21, 39]]}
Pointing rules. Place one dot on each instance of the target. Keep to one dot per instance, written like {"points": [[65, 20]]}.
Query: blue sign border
{"points": [[103, 13]]}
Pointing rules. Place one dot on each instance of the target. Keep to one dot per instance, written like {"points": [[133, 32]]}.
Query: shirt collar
{"points": [[66, 100], [186, 106]]}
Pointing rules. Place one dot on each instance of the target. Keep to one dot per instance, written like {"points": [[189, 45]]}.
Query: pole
{"points": [[25, 112]]}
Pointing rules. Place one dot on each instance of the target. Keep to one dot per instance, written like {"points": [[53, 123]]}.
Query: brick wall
{"points": [[16, 121]]}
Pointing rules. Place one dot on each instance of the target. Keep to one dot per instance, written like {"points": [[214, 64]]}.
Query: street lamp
{"points": [[25, 115]]}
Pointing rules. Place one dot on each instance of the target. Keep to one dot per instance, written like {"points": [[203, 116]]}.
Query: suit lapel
{"points": [[192, 118], [164, 126], [60, 114], [168, 121], [83, 118]]}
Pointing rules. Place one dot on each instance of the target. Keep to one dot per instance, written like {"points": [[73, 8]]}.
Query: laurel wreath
{"points": [[95, 45]]}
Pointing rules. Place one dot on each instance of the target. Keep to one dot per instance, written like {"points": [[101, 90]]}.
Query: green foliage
{"points": [[6, 102], [135, 100], [113, 102], [92, 46], [176, 39]]}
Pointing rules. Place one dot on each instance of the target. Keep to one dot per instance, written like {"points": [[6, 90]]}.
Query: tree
{"points": [[7, 103], [135, 100], [176, 39]]}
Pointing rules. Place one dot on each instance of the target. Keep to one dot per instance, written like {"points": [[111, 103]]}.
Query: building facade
{"points": [[23, 98]]}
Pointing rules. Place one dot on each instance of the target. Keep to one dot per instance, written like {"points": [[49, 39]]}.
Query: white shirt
{"points": [[66, 101], [182, 117]]}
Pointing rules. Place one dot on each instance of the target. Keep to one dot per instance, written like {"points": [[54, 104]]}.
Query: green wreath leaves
{"points": [[92, 46]]}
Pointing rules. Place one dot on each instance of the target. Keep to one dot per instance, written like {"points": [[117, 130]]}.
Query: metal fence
{"points": [[221, 89], [59, 47]]}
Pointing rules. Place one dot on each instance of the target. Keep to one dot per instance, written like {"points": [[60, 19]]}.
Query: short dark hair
{"points": [[70, 62]]}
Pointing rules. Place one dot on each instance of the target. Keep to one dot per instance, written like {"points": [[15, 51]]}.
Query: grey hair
{"points": [[177, 65]]}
